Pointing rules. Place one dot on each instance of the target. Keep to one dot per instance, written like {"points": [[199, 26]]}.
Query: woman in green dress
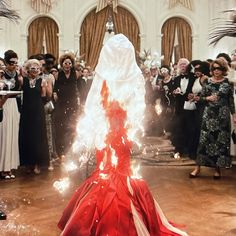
{"points": [[214, 144]]}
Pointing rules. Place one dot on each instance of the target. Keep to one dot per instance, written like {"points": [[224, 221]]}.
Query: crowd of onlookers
{"points": [[190, 102], [193, 103], [40, 110]]}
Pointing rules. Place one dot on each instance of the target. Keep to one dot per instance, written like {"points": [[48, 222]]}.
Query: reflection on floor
{"points": [[205, 206]]}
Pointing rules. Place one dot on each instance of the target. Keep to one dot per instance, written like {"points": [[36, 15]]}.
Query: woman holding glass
{"points": [[9, 127], [214, 145]]}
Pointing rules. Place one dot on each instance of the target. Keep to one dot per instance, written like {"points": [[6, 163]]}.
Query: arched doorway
{"points": [[94, 27], [176, 40], [43, 37]]}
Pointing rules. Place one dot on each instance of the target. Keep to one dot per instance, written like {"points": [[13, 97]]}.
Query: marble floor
{"points": [[206, 207]]}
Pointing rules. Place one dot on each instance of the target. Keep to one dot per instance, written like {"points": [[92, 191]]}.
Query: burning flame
{"points": [[70, 166], [135, 174], [62, 185], [122, 85]]}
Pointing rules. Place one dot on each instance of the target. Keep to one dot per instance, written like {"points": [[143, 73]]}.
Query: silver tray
{"points": [[4, 92]]}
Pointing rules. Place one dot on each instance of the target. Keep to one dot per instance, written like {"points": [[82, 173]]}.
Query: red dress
{"points": [[111, 202]]}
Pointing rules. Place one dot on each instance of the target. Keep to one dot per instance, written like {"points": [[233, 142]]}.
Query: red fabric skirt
{"points": [[114, 205]]}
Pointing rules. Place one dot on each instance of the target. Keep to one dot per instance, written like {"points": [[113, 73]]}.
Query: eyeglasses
{"points": [[34, 68], [217, 68], [11, 63], [67, 63], [53, 71]]}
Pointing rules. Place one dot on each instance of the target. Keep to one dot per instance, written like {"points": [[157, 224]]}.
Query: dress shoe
{"points": [[217, 174], [3, 216], [192, 176], [216, 177]]}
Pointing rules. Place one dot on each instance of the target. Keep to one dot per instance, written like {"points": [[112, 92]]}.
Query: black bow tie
{"points": [[183, 77]]}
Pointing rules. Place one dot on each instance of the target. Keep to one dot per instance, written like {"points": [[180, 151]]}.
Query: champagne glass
{"points": [[9, 84], [2, 84], [216, 95]]}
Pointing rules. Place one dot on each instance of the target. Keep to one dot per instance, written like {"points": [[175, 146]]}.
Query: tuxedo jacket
{"points": [[83, 89], [179, 98]]}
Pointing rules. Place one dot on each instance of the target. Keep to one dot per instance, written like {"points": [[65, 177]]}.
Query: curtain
{"points": [[168, 39], [51, 37], [125, 23], [93, 32], [37, 29], [35, 38], [184, 38]]}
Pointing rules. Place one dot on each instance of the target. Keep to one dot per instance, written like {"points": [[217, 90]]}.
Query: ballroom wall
{"points": [[150, 15]]}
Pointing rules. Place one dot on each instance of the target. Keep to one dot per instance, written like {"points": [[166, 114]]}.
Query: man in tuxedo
{"points": [[183, 131], [84, 84], [3, 99]]}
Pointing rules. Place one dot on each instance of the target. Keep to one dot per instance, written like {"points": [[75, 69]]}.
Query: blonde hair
{"points": [[222, 63], [31, 62]]}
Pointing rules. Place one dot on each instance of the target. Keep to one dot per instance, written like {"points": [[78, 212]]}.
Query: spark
{"points": [[135, 174], [114, 159], [70, 166], [62, 185]]}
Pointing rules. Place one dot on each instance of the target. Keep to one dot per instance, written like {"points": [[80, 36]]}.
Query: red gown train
{"points": [[110, 202]]}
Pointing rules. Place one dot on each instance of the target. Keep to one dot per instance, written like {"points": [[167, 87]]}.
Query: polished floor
{"points": [[206, 207]]}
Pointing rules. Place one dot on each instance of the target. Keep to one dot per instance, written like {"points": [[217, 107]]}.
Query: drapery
{"points": [[176, 27], [37, 29], [93, 32]]}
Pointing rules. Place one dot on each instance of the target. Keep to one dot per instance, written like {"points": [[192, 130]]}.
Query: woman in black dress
{"points": [[66, 107], [33, 138]]}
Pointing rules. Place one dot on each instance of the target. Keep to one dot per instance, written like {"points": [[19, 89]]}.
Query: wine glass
{"points": [[216, 95], [2, 84], [9, 84]]}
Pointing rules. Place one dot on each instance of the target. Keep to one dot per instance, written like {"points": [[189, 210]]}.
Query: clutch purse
{"points": [[189, 106], [233, 135], [49, 107]]}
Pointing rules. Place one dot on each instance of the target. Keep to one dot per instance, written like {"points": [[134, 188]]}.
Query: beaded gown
{"points": [[111, 201]]}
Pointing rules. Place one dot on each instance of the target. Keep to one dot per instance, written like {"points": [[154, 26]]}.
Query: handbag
{"points": [[233, 135], [191, 106], [49, 107]]}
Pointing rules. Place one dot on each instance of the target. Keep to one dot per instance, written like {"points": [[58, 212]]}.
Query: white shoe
{"points": [[51, 168], [37, 171], [177, 155]]}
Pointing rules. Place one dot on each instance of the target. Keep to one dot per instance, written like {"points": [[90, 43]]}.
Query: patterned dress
{"points": [[214, 144]]}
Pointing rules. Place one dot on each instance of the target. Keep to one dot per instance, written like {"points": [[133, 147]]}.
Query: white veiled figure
{"points": [[117, 66]]}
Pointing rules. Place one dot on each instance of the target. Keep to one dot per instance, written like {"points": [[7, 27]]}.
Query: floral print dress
{"points": [[214, 144]]}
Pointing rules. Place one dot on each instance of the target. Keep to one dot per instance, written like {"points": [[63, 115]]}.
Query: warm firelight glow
{"points": [[135, 172], [62, 184], [125, 86], [158, 109], [114, 159], [70, 166]]}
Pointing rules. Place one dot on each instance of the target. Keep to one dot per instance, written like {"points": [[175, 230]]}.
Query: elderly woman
{"points": [[33, 139], [214, 144]]}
